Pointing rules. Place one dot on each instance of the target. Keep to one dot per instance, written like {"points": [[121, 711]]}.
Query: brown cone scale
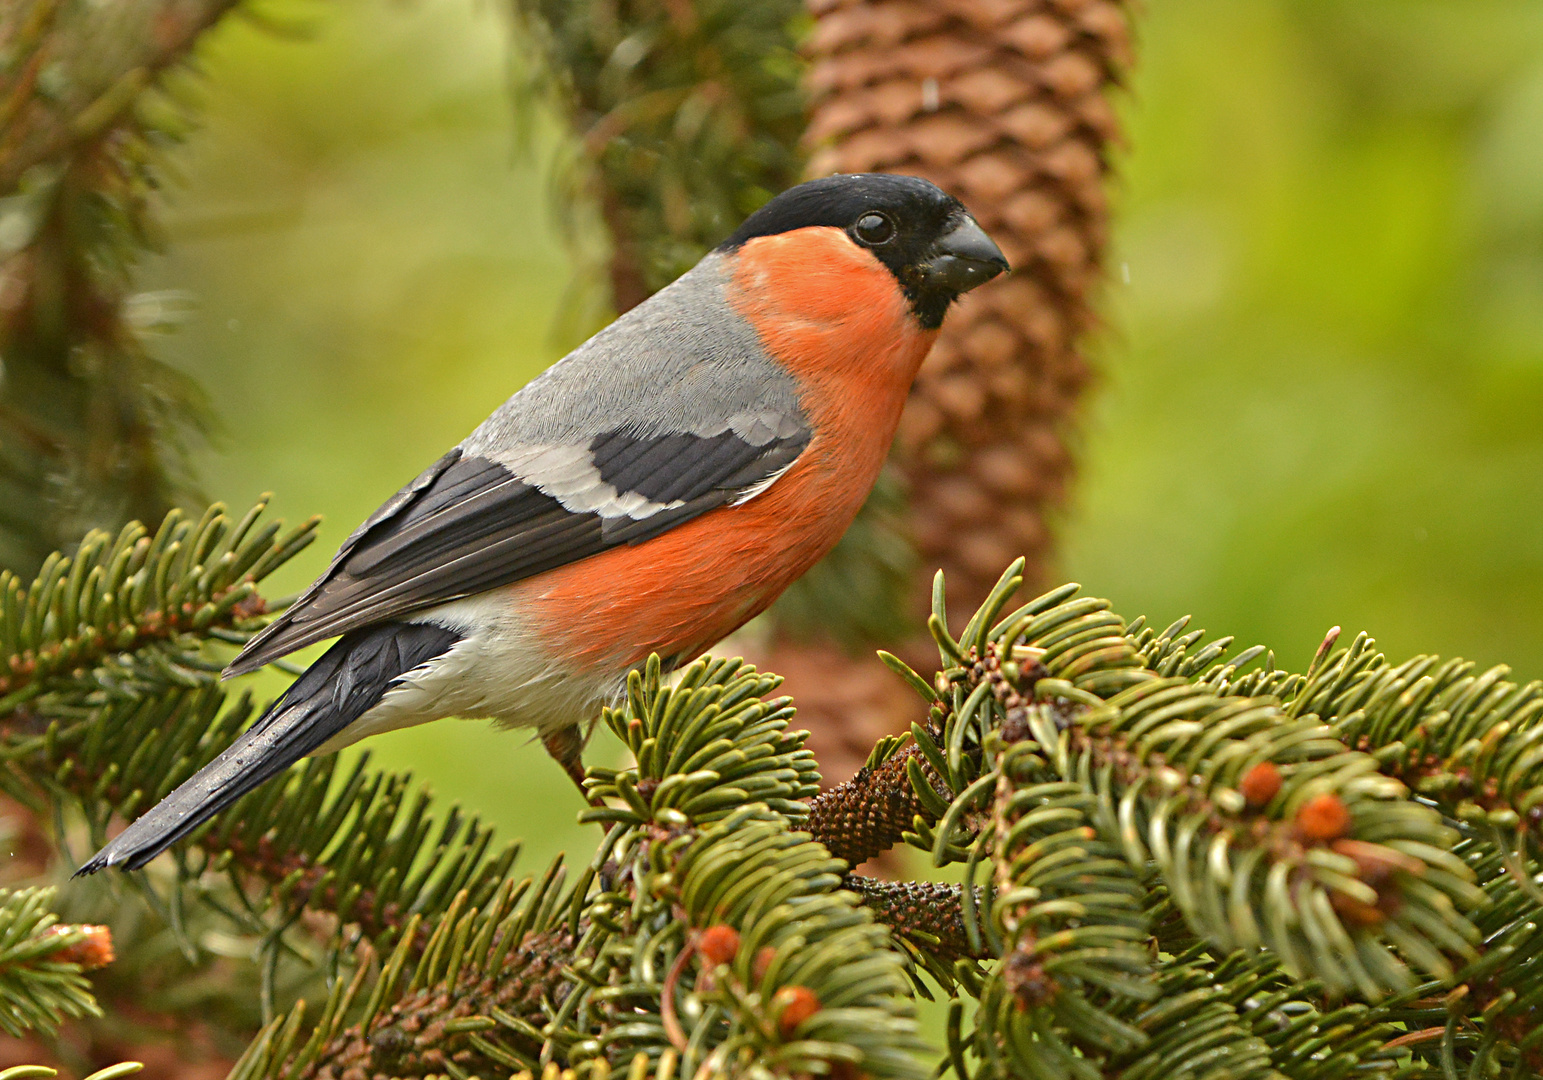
{"points": [[1002, 103]]}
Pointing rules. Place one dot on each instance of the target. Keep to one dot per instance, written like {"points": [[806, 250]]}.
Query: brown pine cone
{"points": [[1002, 103]]}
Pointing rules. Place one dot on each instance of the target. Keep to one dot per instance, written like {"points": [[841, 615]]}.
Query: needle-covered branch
{"points": [[74, 69], [463, 995], [113, 654], [1469, 740], [708, 931], [41, 961], [1169, 858], [94, 430]]}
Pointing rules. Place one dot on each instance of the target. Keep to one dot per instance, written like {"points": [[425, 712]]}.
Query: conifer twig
{"points": [[99, 57], [41, 963], [436, 1028]]}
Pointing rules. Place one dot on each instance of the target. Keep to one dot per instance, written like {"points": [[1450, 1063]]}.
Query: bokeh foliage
{"points": [[1325, 359], [1322, 377], [94, 429], [686, 117]]}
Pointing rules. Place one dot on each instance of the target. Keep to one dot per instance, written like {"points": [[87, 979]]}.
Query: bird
{"points": [[648, 494]]}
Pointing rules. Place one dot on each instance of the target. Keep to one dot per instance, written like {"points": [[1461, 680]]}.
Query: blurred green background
{"points": [[1322, 366]]}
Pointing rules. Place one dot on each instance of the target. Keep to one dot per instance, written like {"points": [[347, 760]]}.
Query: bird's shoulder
{"points": [[684, 360]]}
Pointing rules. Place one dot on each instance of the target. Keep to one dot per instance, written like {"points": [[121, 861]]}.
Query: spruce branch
{"points": [[127, 614], [1161, 872], [797, 977], [464, 994], [1175, 652], [703, 748], [1468, 740], [95, 430], [41, 961], [361, 846], [708, 931], [1490, 1017], [687, 117], [1090, 730], [74, 70], [1264, 828], [1309, 1037], [1066, 920], [114, 702]]}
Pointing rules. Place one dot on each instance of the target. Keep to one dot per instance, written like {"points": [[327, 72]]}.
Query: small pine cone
{"points": [[1000, 102], [864, 817], [930, 907]]}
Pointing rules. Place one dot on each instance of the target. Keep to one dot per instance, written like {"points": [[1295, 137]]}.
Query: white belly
{"points": [[498, 670]]}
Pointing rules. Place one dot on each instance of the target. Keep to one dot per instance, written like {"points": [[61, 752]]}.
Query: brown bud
{"points": [[1027, 979], [762, 964], [1323, 817], [94, 950], [1375, 863], [718, 944], [794, 1005], [1015, 725], [1355, 913], [1260, 784]]}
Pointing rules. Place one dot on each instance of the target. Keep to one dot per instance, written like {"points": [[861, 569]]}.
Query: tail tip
{"points": [[100, 861], [243, 664], [114, 855]]}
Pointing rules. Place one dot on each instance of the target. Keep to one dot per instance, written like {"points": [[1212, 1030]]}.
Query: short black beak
{"points": [[966, 257]]}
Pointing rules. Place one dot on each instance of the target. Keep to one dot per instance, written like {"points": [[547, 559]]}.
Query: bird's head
{"points": [[921, 234]]}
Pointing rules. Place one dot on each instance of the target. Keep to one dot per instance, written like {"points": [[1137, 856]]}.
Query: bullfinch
{"points": [[649, 493]]}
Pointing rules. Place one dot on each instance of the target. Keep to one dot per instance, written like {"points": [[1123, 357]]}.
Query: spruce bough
{"points": [[1169, 862]]}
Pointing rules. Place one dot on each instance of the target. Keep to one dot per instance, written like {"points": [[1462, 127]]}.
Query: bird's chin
{"points": [[953, 275], [931, 300]]}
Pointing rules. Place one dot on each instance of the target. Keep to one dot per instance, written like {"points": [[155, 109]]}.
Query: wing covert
{"points": [[472, 523]]}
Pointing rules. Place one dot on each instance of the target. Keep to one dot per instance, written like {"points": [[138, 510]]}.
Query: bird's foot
{"points": [[567, 748]]}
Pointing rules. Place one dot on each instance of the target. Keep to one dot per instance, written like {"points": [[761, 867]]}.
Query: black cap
{"points": [[925, 236]]}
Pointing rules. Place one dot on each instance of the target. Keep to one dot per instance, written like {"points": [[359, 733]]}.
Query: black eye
{"points": [[874, 229]]}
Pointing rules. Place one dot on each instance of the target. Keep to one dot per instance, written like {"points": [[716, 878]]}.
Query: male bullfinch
{"points": [[649, 493]]}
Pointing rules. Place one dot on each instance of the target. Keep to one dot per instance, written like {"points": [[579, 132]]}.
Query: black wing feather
{"points": [[468, 524]]}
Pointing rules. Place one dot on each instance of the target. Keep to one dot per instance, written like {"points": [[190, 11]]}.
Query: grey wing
{"points": [[471, 523]]}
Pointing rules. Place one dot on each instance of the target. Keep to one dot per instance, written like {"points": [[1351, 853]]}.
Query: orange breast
{"points": [[834, 316]]}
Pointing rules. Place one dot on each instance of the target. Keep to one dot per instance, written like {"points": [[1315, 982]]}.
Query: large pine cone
{"points": [[1002, 103]]}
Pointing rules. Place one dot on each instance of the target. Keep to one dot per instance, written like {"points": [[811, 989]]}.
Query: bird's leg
{"points": [[566, 745]]}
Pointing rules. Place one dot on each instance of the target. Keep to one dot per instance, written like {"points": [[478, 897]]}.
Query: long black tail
{"points": [[345, 683]]}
